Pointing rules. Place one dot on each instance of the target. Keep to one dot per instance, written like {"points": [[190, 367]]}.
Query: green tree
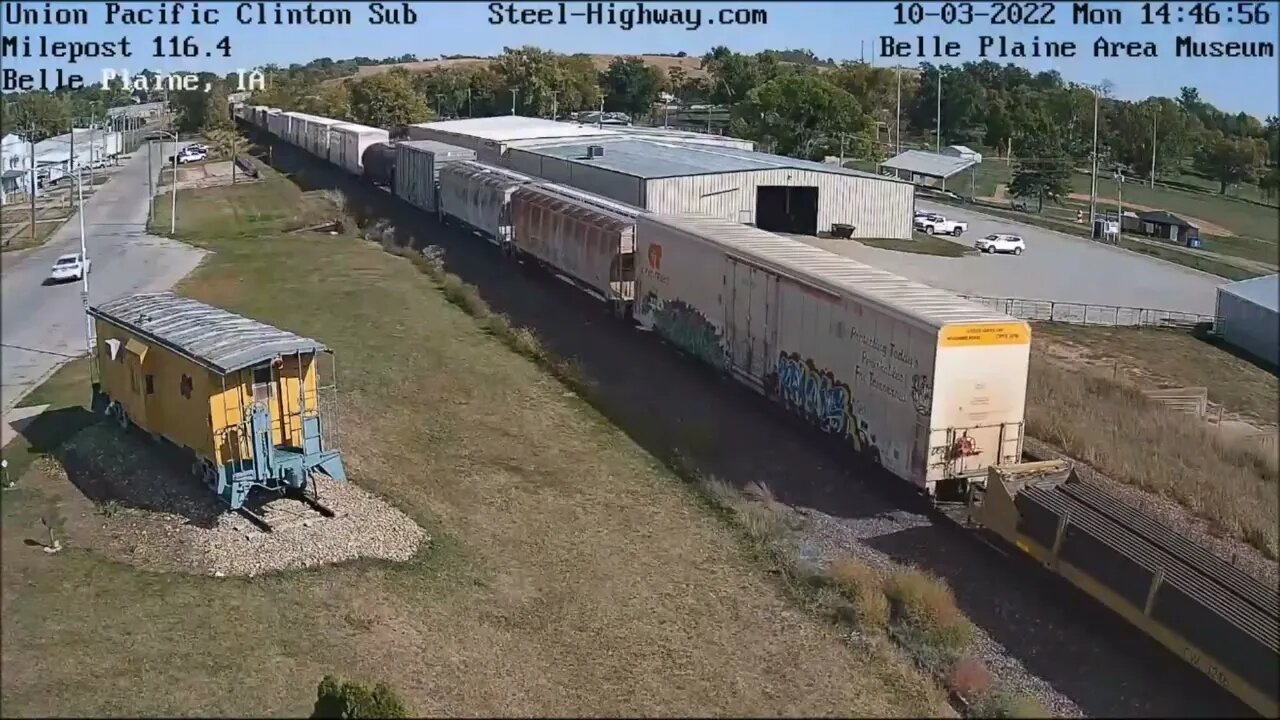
{"points": [[631, 85], [1228, 160], [1043, 169], [1270, 184], [533, 75], [352, 701], [387, 100], [800, 115], [44, 113]]}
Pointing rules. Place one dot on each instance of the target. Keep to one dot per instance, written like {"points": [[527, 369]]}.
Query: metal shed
{"points": [[1247, 316], [774, 193], [933, 167]]}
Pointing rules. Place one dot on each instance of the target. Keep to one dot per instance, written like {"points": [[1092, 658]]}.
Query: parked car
{"points": [[69, 267], [935, 224], [188, 155], [1001, 243]]}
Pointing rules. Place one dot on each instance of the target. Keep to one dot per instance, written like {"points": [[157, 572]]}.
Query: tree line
{"points": [[790, 102]]}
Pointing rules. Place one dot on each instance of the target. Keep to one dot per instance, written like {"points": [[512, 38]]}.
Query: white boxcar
{"points": [[293, 126], [480, 196], [589, 239], [927, 384], [348, 141], [418, 164], [278, 123]]}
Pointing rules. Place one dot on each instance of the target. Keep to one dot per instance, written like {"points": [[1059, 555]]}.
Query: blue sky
{"points": [[842, 30]]}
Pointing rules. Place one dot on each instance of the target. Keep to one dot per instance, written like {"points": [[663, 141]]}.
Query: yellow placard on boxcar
{"points": [[985, 334]]}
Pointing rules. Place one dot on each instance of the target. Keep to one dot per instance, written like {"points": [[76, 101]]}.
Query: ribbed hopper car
{"points": [[1213, 615], [243, 398]]}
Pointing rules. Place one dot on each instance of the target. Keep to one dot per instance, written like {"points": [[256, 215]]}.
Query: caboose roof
{"points": [[212, 337]]}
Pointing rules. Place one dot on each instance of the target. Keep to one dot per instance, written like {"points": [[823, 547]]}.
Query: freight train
{"points": [[925, 384]]}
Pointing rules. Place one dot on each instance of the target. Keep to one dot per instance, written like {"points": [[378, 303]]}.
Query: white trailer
{"points": [[418, 164], [348, 141], [587, 239], [479, 196], [927, 384]]}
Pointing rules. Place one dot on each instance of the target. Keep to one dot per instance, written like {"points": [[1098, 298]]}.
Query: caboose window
{"points": [[262, 384]]}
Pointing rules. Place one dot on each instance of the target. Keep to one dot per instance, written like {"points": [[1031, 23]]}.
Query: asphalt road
{"points": [[1055, 267], [42, 326]]}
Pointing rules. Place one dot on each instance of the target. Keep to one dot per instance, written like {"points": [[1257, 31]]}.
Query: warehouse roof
{"points": [[834, 273], [1261, 291], [506, 128], [212, 337], [437, 148], [652, 159], [929, 164]]}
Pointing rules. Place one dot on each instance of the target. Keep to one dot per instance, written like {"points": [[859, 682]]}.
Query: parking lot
{"points": [[1054, 267]]}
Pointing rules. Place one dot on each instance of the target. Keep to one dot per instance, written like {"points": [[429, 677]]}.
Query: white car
{"points": [[70, 267], [1001, 243], [189, 156], [935, 224]]}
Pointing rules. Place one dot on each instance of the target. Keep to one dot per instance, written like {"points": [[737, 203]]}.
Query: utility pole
{"points": [[513, 101], [1153, 151], [1119, 203], [84, 272], [939, 109], [897, 130], [151, 180], [1093, 173], [555, 97], [468, 102], [71, 164], [600, 117], [842, 138], [90, 148]]}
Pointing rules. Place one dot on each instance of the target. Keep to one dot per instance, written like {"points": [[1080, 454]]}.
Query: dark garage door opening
{"points": [[787, 209]]}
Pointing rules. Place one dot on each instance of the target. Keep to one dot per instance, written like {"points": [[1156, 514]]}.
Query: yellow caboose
{"points": [[243, 397]]}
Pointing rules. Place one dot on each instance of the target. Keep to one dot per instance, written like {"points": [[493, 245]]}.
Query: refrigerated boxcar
{"points": [[347, 143], [927, 384], [244, 398], [587, 238], [479, 196], [418, 164]]}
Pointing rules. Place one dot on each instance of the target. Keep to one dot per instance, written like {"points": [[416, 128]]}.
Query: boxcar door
{"points": [[738, 318]]}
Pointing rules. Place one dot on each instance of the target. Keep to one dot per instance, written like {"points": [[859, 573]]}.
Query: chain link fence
{"points": [[1090, 314]]}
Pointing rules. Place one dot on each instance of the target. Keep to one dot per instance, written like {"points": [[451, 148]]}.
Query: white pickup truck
{"points": [[935, 224]]}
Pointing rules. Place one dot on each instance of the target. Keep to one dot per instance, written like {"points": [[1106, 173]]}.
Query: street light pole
{"points": [[1153, 151], [939, 109], [84, 270], [897, 130], [1093, 180]]}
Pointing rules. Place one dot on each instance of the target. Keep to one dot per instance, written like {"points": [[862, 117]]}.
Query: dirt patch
{"points": [[1204, 225], [210, 174], [121, 500]]}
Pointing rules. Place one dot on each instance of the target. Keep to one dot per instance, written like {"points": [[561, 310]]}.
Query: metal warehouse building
{"points": [[490, 137], [1247, 316], [769, 191]]}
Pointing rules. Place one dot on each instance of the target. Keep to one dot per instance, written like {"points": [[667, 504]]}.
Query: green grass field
{"points": [[570, 572]]}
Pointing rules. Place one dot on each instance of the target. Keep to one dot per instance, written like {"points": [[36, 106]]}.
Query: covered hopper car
{"points": [[1220, 620], [589, 240], [479, 197], [928, 385], [242, 397]]}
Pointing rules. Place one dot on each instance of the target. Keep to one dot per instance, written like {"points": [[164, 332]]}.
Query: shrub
{"points": [[970, 678], [925, 619], [335, 699], [863, 586]]}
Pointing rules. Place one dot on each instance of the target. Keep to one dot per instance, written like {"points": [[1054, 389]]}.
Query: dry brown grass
{"points": [[1113, 427], [970, 678], [570, 574], [863, 586], [923, 616]]}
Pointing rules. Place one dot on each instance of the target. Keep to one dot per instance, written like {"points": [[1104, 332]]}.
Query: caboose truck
{"points": [[1220, 620], [243, 398]]}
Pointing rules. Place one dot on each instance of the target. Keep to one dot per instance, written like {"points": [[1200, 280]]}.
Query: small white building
{"points": [[963, 152], [772, 192], [15, 166], [1248, 317]]}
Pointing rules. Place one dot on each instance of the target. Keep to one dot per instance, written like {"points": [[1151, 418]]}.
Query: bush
{"points": [[335, 699], [970, 678], [862, 585], [924, 618]]}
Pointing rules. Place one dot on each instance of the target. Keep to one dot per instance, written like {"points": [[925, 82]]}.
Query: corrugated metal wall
{"points": [[876, 208], [613, 185], [1250, 327]]}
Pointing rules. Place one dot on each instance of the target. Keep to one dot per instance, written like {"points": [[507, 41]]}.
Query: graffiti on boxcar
{"points": [[688, 329], [816, 395], [922, 394]]}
